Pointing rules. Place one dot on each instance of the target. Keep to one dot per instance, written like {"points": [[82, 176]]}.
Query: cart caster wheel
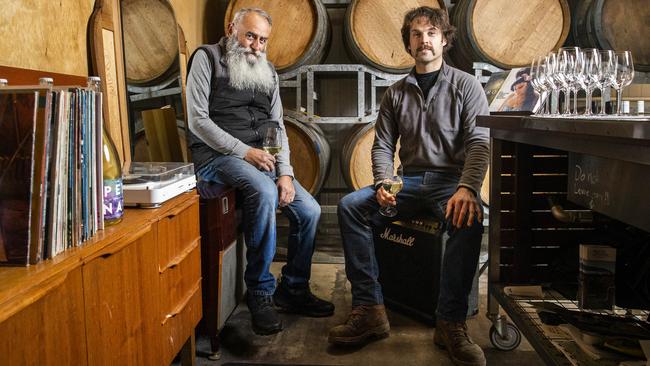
{"points": [[509, 341]]}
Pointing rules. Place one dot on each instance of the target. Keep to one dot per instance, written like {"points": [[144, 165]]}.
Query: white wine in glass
{"points": [[272, 142], [393, 186]]}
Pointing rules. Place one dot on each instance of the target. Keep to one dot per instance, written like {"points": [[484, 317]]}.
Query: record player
{"points": [[149, 184]]}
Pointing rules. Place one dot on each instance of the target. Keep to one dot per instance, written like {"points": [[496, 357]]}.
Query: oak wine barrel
{"points": [[507, 33], [150, 40], [356, 161], [373, 36], [620, 25], [310, 153], [300, 34]]}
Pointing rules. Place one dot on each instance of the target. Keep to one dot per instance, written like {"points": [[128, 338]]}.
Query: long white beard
{"points": [[248, 71]]}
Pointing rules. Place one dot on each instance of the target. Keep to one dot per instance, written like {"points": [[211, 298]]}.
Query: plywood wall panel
{"points": [[45, 35], [191, 15]]}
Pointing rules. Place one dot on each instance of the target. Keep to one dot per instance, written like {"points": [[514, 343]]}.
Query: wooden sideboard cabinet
{"points": [[130, 296]]}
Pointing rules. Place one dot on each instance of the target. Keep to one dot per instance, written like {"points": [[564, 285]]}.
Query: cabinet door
{"points": [[50, 331], [121, 299]]}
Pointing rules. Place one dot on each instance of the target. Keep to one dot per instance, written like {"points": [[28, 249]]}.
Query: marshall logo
{"points": [[399, 239]]}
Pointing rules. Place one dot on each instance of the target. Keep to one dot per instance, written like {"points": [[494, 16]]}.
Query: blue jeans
{"points": [[260, 201], [425, 194]]}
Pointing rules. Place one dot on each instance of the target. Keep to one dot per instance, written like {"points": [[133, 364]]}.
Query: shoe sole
{"points": [[376, 333], [265, 332], [441, 344], [300, 311]]}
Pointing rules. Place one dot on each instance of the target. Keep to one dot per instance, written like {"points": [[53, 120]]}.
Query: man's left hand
{"points": [[286, 190], [461, 205]]}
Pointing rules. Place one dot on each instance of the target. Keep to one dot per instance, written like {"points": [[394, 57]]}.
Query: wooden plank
{"points": [[539, 220], [523, 185], [566, 236], [539, 201], [543, 183], [542, 255]]}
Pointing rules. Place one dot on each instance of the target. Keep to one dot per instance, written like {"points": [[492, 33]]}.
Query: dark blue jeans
{"points": [[425, 194], [260, 194]]}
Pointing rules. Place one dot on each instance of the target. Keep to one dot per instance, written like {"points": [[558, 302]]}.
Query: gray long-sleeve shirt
{"points": [[199, 122], [438, 133]]}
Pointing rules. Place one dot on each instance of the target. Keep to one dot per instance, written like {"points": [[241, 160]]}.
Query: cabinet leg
{"points": [[188, 351], [215, 353]]}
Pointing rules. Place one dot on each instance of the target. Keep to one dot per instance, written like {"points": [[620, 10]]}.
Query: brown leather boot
{"points": [[364, 322], [453, 336]]}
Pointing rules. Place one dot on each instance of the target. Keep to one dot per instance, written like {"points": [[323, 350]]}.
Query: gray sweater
{"points": [[438, 133], [199, 122]]}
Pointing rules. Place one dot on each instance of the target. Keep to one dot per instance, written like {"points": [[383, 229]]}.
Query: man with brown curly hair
{"points": [[444, 158]]}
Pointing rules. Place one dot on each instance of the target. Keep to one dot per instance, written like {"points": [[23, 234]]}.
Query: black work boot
{"points": [[264, 317], [462, 350], [364, 322], [301, 301]]}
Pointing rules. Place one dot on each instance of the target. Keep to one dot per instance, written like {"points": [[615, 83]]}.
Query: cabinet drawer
{"points": [[177, 231], [178, 279], [178, 325]]}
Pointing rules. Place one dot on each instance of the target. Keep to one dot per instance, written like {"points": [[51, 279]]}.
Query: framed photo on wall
{"points": [[516, 94]]}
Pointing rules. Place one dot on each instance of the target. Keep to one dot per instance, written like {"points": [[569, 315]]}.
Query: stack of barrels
{"points": [[504, 33]]}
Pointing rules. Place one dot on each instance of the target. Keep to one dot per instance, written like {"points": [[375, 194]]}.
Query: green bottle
{"points": [[112, 171]]}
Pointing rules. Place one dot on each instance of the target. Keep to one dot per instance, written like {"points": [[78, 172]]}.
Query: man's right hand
{"points": [[260, 159], [384, 198]]}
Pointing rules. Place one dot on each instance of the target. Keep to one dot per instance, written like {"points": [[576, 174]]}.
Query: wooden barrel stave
{"points": [[288, 48]]}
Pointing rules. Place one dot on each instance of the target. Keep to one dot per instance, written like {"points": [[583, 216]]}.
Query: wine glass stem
{"points": [[588, 92], [567, 110], [602, 100], [619, 97], [575, 101]]}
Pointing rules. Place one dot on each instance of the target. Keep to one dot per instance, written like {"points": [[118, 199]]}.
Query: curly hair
{"points": [[437, 17]]}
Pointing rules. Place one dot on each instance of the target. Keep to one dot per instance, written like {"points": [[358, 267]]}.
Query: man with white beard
{"points": [[232, 97]]}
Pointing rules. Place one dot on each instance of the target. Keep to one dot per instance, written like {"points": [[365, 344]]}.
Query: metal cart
{"points": [[530, 162]]}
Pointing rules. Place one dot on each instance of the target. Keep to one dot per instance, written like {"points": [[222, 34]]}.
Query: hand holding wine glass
{"points": [[391, 185], [272, 141]]}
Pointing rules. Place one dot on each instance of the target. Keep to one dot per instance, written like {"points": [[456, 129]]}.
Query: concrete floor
{"points": [[304, 340]]}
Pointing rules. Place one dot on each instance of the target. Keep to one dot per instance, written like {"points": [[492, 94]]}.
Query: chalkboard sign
{"points": [[615, 188]]}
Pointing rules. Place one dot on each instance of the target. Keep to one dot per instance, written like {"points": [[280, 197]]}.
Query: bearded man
{"points": [[232, 97]]}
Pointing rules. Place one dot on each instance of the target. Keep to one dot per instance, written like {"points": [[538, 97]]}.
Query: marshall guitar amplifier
{"points": [[409, 254]]}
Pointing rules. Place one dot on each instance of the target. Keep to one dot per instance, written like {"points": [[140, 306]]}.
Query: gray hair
{"points": [[239, 15]]}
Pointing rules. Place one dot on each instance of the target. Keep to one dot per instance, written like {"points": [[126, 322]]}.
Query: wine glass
{"points": [[624, 76], [591, 76], [550, 72], [564, 74], [537, 81], [272, 141], [391, 184], [607, 76]]}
